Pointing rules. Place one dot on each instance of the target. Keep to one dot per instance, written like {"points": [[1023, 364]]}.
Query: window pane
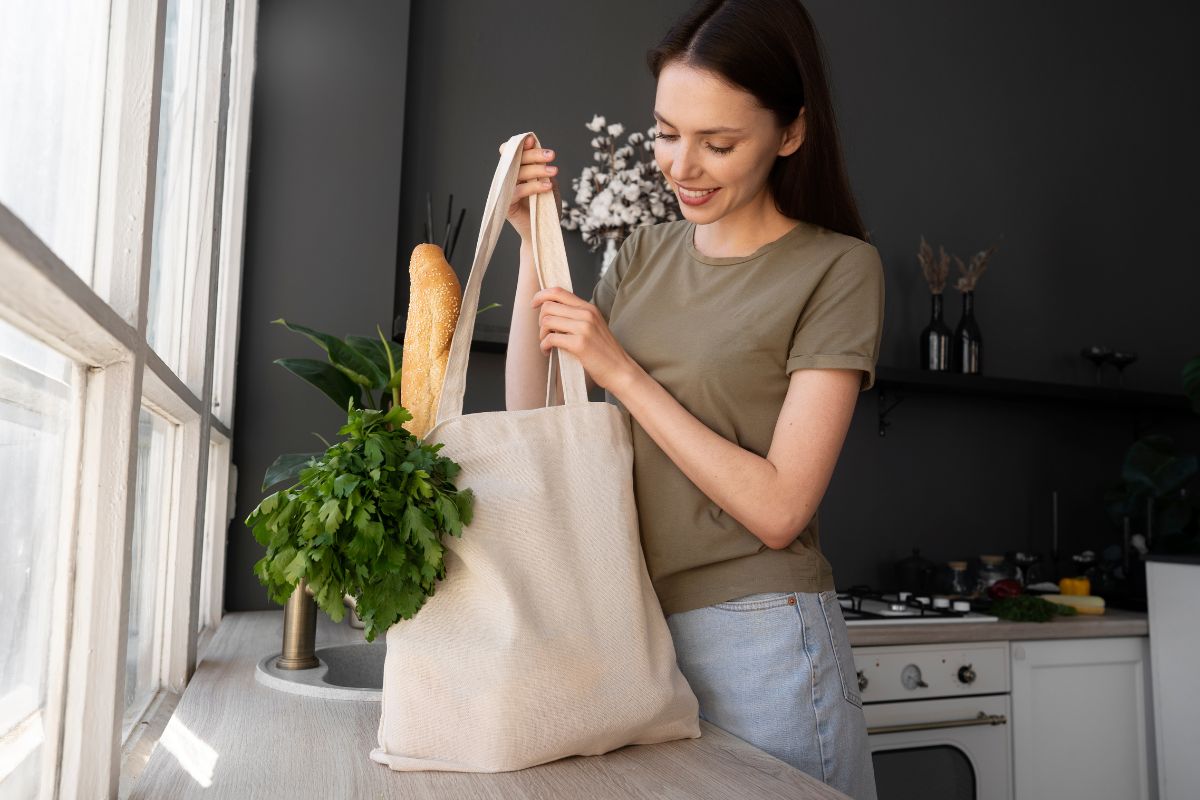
{"points": [[150, 527], [212, 567], [35, 416], [52, 66], [183, 201]]}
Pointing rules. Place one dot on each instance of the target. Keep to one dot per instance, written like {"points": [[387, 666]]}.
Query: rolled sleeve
{"points": [[841, 325]]}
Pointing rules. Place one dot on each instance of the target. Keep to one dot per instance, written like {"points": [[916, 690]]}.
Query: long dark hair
{"points": [[771, 49]]}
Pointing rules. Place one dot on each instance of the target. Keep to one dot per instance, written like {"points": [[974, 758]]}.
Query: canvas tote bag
{"points": [[545, 639]]}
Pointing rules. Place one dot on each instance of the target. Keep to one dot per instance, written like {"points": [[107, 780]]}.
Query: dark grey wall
{"points": [[325, 157], [1060, 127]]}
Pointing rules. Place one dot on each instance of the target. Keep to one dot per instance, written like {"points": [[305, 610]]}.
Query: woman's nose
{"points": [[682, 164]]}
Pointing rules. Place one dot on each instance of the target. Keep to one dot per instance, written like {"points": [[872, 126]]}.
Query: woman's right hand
{"points": [[535, 175]]}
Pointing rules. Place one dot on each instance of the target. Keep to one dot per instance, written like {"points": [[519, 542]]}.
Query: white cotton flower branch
{"points": [[623, 191]]}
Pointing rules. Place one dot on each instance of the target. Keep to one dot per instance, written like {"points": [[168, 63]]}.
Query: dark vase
{"points": [[968, 342], [935, 340]]}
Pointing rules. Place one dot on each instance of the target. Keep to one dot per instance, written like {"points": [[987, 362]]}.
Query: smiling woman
{"points": [[737, 340]]}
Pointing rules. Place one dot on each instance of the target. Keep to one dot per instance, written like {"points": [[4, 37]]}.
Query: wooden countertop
{"points": [[1113, 622], [231, 737]]}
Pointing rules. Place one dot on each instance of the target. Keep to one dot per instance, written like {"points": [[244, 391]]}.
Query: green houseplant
{"points": [[1153, 483], [364, 517]]}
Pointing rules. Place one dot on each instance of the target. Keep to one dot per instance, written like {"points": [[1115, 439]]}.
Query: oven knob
{"points": [[910, 676], [862, 681], [966, 674]]}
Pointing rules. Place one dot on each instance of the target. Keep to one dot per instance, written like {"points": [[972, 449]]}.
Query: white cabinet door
{"points": [[1174, 653], [1079, 719]]}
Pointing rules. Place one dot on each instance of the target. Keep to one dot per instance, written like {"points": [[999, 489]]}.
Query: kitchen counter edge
{"points": [[1113, 622]]}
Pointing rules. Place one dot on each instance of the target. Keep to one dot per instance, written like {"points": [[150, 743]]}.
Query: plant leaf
{"points": [[322, 340], [1191, 382], [336, 386], [1152, 462], [372, 350], [354, 365], [287, 468]]}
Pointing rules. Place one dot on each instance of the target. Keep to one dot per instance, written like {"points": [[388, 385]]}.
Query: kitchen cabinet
{"points": [[1081, 719], [1174, 652]]}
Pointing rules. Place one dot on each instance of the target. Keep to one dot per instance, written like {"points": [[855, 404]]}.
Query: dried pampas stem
{"points": [[935, 272], [972, 273]]}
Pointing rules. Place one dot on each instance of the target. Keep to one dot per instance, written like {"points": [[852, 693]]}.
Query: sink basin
{"points": [[346, 672]]}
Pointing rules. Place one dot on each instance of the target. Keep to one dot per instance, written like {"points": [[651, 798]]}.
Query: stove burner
{"points": [[862, 604]]}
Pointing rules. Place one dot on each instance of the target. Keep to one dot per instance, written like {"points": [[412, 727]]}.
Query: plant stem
{"points": [[387, 349]]}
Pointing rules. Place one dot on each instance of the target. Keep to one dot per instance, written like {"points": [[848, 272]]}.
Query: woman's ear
{"points": [[793, 134]]}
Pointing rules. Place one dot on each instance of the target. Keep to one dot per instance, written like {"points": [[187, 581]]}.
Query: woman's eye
{"points": [[720, 151]]}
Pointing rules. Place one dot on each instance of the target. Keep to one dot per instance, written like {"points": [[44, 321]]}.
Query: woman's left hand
{"points": [[577, 326]]}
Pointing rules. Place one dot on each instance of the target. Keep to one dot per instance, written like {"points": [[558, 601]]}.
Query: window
{"points": [[36, 439], [176, 322], [109, 440], [155, 442], [52, 56], [216, 523]]}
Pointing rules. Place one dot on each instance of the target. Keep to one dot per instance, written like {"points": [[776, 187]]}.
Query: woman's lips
{"points": [[689, 198]]}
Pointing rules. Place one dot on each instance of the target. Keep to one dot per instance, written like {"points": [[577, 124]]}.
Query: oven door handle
{"points": [[982, 719]]}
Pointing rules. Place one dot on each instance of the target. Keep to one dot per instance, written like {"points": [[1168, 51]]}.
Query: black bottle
{"points": [[935, 340], [968, 342]]}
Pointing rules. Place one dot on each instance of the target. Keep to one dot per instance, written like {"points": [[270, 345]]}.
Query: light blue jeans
{"points": [[775, 669]]}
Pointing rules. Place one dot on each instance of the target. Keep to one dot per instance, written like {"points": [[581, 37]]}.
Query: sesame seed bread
{"points": [[434, 298]]}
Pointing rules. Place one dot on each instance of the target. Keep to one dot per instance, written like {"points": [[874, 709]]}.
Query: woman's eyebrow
{"points": [[706, 130]]}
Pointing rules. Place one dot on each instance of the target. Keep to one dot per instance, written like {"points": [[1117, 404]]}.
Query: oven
{"points": [[937, 719]]}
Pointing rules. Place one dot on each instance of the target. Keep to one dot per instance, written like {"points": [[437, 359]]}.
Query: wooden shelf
{"points": [[897, 383]]}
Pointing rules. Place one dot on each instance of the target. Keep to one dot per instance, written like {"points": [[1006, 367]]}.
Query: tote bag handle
{"points": [[550, 262]]}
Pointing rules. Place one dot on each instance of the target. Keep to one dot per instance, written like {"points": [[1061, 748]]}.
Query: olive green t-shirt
{"points": [[721, 335]]}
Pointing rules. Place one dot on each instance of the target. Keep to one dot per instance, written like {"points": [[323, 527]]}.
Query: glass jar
{"points": [[956, 581], [991, 569]]}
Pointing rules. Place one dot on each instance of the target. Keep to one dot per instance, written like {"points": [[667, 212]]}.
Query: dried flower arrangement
{"points": [[935, 272], [971, 274], [620, 193]]}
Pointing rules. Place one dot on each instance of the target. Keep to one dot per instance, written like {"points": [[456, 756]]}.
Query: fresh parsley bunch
{"points": [[366, 519]]}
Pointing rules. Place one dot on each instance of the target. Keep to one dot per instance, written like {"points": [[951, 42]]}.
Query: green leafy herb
{"points": [[366, 519], [1028, 608]]}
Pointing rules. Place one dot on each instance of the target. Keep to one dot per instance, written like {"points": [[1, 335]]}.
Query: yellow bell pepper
{"points": [[1080, 586]]}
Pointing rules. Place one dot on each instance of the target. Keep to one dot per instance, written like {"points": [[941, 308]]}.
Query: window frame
{"points": [[101, 326]]}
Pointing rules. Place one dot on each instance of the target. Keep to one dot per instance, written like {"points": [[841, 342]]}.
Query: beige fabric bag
{"points": [[545, 639]]}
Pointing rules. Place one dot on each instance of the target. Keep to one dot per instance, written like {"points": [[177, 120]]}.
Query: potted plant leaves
{"points": [[365, 517]]}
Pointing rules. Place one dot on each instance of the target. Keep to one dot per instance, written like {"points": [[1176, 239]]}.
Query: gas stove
{"points": [[862, 605]]}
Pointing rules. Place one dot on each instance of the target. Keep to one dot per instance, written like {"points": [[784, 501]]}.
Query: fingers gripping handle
{"points": [[550, 262]]}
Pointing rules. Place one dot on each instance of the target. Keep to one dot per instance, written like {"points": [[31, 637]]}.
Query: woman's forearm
{"points": [[743, 484], [525, 366]]}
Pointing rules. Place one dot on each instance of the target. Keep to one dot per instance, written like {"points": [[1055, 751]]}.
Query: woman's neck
{"points": [[744, 231]]}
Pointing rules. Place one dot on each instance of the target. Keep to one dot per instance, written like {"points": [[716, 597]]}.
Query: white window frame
{"points": [[117, 373]]}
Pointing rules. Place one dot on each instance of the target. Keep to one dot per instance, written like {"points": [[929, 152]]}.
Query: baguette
{"points": [[434, 299]]}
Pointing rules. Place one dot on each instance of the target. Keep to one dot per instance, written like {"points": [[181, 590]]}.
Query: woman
{"points": [[737, 339]]}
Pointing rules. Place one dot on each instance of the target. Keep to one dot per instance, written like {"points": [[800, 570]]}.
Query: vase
{"points": [[935, 339], [611, 246], [968, 342]]}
